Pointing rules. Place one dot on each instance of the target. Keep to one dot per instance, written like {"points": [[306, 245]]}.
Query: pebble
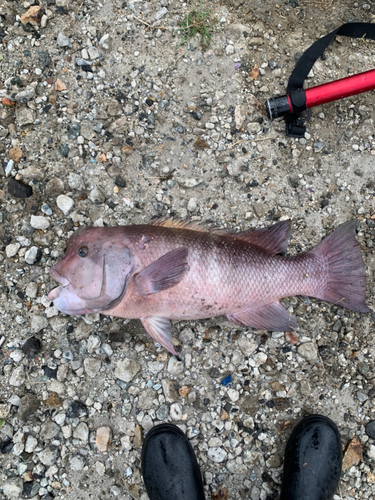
{"points": [[49, 430], [103, 438], [31, 347], [162, 412], [97, 196], [64, 150], [217, 454], [127, 369], [28, 405], [13, 488], [18, 376], [175, 366], [63, 41], [81, 432], [33, 255], [17, 188], [39, 222], [12, 249], [370, 429], [65, 203], [308, 351], [74, 131], [38, 323], [77, 409], [25, 116], [176, 411], [92, 366]]}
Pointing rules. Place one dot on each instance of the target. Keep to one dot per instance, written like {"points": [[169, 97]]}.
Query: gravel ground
{"points": [[115, 123]]}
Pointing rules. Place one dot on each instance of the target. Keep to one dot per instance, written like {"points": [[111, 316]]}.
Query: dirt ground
{"points": [[108, 120]]}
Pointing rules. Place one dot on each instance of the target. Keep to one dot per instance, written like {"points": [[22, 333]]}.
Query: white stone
{"points": [[127, 369], [65, 203], [39, 222], [217, 455], [12, 249]]}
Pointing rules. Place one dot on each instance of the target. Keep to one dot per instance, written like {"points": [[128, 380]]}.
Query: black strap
{"points": [[294, 125]]}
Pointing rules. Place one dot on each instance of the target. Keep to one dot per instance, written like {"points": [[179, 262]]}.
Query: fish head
{"points": [[94, 272]]}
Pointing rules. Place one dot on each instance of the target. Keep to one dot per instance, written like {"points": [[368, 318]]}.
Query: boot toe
{"points": [[169, 467], [313, 458]]}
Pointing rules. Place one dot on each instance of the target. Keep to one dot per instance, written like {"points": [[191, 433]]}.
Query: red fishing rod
{"points": [[297, 99], [300, 99]]}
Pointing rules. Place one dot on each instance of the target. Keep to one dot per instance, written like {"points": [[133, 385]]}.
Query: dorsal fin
{"points": [[177, 223], [275, 239]]}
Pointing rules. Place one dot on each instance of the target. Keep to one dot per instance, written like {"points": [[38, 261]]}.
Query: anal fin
{"points": [[271, 317], [159, 329]]}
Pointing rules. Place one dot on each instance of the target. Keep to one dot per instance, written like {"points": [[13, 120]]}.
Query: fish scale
{"points": [[174, 270]]}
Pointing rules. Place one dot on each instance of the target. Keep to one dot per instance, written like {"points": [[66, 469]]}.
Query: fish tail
{"points": [[346, 278]]}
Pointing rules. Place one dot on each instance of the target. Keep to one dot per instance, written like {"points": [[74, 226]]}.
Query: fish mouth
{"points": [[58, 277]]}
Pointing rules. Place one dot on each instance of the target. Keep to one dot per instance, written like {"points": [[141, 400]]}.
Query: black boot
{"points": [[313, 457], [169, 467]]}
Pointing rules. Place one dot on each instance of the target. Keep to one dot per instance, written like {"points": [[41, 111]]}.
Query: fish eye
{"points": [[83, 252]]}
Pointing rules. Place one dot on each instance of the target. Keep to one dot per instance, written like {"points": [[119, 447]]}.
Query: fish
{"points": [[175, 269]]}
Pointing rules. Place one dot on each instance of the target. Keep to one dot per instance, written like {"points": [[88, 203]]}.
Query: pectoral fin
{"points": [[163, 273], [271, 317], [160, 330]]}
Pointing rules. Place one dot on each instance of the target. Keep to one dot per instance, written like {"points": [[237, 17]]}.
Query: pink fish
{"points": [[176, 270]]}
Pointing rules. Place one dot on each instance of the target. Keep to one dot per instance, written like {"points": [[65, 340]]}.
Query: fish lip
{"points": [[58, 277]]}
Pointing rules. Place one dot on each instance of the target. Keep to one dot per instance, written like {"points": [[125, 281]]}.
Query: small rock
{"points": [[73, 132], [25, 116], [28, 406], [49, 430], [33, 255], [93, 53], [217, 455], [63, 41], [127, 369], [12, 249], [308, 351], [64, 150], [162, 412], [170, 390], [77, 410], [260, 209], [76, 463], [175, 366], [39, 222], [15, 154], [60, 85], [18, 376], [31, 444], [176, 411], [239, 115], [97, 196], [370, 429], [33, 15], [189, 182], [103, 438], [229, 50], [291, 338], [38, 323], [65, 203], [92, 366], [31, 347], [353, 454], [119, 181], [18, 189], [81, 432], [13, 488]]}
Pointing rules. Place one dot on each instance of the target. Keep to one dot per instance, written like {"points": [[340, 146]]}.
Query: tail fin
{"points": [[346, 284]]}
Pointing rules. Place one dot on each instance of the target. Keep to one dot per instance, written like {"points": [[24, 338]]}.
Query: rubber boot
{"points": [[313, 458], [169, 466]]}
